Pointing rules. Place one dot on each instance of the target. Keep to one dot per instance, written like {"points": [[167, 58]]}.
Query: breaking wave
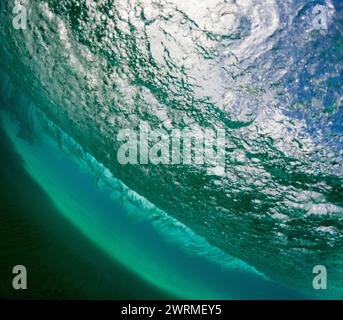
{"points": [[256, 67]]}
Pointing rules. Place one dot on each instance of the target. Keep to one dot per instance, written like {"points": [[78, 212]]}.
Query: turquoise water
{"points": [[82, 71], [103, 217]]}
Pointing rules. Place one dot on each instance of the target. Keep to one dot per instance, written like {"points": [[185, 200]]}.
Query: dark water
{"points": [[62, 263]]}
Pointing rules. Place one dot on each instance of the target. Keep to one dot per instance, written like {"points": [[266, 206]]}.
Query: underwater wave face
{"points": [[255, 67]]}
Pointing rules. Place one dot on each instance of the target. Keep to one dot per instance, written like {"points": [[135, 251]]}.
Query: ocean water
{"points": [[155, 248], [61, 262], [184, 266], [82, 71]]}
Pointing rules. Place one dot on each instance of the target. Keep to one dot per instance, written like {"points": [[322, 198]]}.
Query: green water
{"points": [[61, 261], [118, 245], [255, 68]]}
